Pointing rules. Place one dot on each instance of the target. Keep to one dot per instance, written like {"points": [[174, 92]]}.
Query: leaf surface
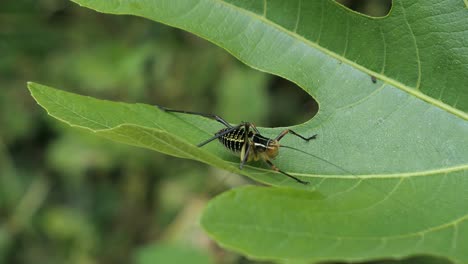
{"points": [[399, 145]]}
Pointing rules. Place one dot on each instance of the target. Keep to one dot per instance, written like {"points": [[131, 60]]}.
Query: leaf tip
{"points": [[34, 88], [30, 85]]}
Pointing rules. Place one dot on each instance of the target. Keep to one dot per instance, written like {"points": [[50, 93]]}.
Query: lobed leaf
{"points": [[399, 146]]}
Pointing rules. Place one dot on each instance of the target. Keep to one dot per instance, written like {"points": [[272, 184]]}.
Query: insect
{"points": [[246, 141]]}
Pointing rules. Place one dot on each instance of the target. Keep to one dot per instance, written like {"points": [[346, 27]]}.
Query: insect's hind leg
{"points": [[282, 134], [218, 135], [273, 167], [215, 117]]}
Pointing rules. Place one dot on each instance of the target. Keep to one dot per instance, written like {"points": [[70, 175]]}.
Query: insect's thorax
{"points": [[260, 147]]}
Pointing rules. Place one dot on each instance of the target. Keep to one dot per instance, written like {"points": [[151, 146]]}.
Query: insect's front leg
{"points": [[282, 134]]}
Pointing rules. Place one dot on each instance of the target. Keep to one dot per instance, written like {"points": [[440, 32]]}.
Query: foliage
{"points": [[378, 200], [69, 197]]}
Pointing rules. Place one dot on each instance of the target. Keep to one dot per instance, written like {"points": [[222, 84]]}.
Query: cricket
{"points": [[246, 141]]}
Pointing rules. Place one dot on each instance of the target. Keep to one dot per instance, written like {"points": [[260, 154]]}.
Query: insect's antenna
{"points": [[319, 158]]}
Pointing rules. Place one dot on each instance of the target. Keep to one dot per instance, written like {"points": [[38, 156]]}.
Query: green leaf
{"points": [[419, 49], [399, 146], [147, 126]]}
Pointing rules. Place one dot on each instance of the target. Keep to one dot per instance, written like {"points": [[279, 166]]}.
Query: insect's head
{"points": [[267, 146], [272, 148]]}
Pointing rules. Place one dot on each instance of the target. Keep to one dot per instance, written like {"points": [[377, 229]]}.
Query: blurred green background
{"points": [[70, 197]]}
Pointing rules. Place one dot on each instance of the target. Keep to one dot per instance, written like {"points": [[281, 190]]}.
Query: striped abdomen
{"points": [[234, 140]]}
